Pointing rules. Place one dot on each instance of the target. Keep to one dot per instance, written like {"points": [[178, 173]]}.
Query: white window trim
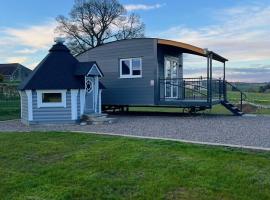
{"points": [[30, 104], [40, 104], [74, 103], [82, 100], [21, 99], [96, 67], [131, 68]]}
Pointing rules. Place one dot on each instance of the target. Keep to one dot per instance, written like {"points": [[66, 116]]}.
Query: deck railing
{"points": [[191, 89], [238, 97]]}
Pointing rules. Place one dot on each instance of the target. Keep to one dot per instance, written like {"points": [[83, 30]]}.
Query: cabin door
{"points": [[171, 77], [89, 95]]}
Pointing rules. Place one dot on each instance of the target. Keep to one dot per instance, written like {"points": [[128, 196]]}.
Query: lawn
{"points": [[9, 110], [254, 97], [85, 166]]}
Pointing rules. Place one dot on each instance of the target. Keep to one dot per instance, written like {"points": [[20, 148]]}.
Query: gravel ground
{"points": [[248, 130]]}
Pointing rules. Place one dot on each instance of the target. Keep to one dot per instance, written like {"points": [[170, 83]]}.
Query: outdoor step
{"points": [[97, 118], [235, 110], [101, 122], [96, 114]]}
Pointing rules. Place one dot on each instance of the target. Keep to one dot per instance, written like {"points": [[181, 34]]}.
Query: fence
{"points": [[9, 97]]}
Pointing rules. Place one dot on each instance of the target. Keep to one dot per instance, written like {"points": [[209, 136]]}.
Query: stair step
{"points": [[235, 110], [100, 122], [96, 114], [97, 118]]}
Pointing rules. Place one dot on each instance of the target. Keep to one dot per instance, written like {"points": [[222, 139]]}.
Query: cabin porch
{"points": [[195, 93], [191, 92]]}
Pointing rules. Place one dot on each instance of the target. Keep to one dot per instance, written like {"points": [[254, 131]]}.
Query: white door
{"points": [[171, 77]]}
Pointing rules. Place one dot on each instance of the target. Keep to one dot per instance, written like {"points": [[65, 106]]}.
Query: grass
{"points": [[7, 113], [9, 110], [83, 166], [254, 97]]}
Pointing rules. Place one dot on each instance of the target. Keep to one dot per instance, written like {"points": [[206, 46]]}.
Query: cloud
{"points": [[26, 44], [16, 59], [242, 33], [37, 36], [133, 7], [26, 51], [248, 74]]}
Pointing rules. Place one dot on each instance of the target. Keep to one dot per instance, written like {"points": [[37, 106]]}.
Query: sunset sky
{"points": [[238, 30]]}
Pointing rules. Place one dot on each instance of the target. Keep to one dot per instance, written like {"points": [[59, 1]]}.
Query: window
{"points": [[51, 97], [48, 98], [130, 68]]}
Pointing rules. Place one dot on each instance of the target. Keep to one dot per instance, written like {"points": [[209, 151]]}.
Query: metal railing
{"points": [[238, 98], [9, 97], [191, 89]]}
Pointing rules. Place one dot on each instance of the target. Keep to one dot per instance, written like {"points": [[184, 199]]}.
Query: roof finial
{"points": [[59, 40]]}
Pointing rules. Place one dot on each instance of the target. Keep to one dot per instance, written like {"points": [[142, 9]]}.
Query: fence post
{"points": [[225, 90], [241, 105]]}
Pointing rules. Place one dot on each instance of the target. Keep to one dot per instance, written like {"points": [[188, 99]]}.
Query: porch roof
{"points": [[191, 49]]}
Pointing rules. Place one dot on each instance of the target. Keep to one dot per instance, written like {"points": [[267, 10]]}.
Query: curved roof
{"points": [[190, 49], [186, 48]]}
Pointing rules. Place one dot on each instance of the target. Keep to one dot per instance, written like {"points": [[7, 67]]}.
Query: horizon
{"points": [[236, 30]]}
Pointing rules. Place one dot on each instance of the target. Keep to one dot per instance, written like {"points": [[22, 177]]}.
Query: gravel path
{"points": [[248, 131]]}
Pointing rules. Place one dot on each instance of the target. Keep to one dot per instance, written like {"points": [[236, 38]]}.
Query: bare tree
{"points": [[92, 23]]}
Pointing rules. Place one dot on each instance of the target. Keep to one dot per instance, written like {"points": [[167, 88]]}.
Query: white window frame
{"points": [[41, 104], [131, 68]]}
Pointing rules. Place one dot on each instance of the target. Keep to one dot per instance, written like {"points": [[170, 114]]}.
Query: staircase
{"points": [[242, 96], [235, 110], [97, 119]]}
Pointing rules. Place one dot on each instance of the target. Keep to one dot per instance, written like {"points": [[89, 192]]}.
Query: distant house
{"points": [[14, 72], [61, 89]]}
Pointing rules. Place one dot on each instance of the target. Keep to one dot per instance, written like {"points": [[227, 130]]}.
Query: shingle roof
{"points": [[55, 71], [9, 68], [83, 68]]}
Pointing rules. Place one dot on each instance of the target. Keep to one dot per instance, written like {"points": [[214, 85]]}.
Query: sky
{"points": [[238, 30]]}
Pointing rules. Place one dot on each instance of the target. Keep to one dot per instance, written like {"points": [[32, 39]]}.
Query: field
{"points": [[9, 101], [86, 166], [253, 97], [9, 108]]}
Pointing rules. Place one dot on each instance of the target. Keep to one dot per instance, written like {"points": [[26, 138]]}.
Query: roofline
{"points": [[189, 47], [193, 49], [18, 64]]}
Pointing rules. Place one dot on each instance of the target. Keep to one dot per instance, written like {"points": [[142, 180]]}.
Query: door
{"points": [[89, 95], [171, 77]]}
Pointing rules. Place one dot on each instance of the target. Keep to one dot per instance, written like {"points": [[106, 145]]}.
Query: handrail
{"points": [[198, 88], [191, 87], [243, 96]]}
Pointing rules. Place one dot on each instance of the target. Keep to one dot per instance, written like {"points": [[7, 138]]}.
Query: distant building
{"points": [[14, 71]]}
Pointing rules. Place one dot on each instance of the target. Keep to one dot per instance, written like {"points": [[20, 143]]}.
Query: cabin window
{"points": [[51, 97], [131, 68], [48, 98]]}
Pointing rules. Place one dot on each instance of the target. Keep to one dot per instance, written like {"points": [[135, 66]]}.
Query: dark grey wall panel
{"points": [[120, 91]]}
